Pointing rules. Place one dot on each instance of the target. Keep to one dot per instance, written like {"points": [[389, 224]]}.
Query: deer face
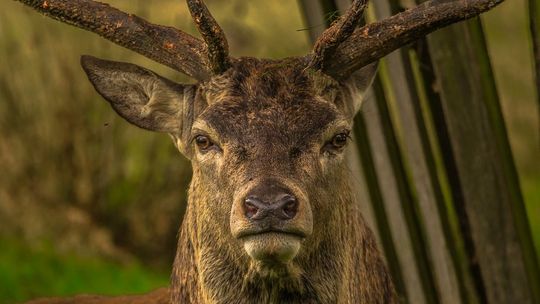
{"points": [[266, 140]]}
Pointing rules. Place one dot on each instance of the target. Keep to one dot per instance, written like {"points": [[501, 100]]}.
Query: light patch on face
{"points": [[272, 247]]}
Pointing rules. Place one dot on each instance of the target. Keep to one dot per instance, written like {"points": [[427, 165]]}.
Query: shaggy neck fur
{"points": [[344, 266]]}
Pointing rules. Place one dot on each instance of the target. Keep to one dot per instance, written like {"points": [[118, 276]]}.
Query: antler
{"points": [[373, 41], [337, 33], [341, 50], [218, 49], [166, 45]]}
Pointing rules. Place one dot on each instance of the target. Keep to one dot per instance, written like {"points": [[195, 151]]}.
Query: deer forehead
{"points": [[269, 101]]}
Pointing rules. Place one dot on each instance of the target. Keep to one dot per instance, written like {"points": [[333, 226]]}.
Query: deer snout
{"points": [[271, 206], [271, 219]]}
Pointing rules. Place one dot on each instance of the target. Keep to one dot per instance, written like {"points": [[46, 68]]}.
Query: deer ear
{"points": [[140, 96], [356, 86]]}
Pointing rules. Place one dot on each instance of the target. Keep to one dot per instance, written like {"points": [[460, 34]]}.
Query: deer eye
{"points": [[337, 143], [203, 143], [340, 140]]}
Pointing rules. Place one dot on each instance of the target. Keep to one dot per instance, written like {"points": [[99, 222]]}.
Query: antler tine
{"points": [[213, 35], [165, 45], [373, 41], [337, 33]]}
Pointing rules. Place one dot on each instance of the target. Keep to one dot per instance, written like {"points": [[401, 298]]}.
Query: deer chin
{"points": [[272, 248]]}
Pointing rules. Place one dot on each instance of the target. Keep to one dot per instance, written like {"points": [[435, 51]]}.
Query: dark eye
{"points": [[204, 143], [336, 144], [340, 140]]}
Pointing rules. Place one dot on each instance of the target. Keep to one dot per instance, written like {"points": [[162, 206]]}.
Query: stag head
{"points": [[265, 137]]}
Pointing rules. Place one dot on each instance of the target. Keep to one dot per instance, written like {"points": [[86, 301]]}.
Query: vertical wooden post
{"points": [[391, 192], [491, 202], [437, 248], [468, 273]]}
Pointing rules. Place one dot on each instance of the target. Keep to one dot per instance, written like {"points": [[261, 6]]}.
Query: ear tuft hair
{"points": [[356, 86], [140, 96]]}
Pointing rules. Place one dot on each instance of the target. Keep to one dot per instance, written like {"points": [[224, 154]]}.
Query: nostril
{"points": [[289, 207], [278, 206], [254, 208], [250, 208]]}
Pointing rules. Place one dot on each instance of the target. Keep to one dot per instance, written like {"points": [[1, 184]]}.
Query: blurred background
{"points": [[91, 204]]}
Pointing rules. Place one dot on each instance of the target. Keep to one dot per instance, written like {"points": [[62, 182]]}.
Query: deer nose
{"points": [[283, 206]]}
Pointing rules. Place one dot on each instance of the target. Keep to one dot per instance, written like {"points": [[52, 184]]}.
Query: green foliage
{"points": [[27, 274]]}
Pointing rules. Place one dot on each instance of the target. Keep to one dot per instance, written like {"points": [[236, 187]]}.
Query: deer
{"points": [[271, 217]]}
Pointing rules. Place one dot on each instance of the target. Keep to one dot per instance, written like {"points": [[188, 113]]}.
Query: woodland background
{"points": [[91, 204]]}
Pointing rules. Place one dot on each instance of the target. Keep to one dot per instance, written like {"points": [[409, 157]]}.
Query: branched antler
{"points": [[337, 33], [218, 49], [163, 44], [373, 41], [341, 49]]}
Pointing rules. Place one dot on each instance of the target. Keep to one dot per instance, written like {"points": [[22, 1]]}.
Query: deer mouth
{"points": [[272, 246], [254, 232]]}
